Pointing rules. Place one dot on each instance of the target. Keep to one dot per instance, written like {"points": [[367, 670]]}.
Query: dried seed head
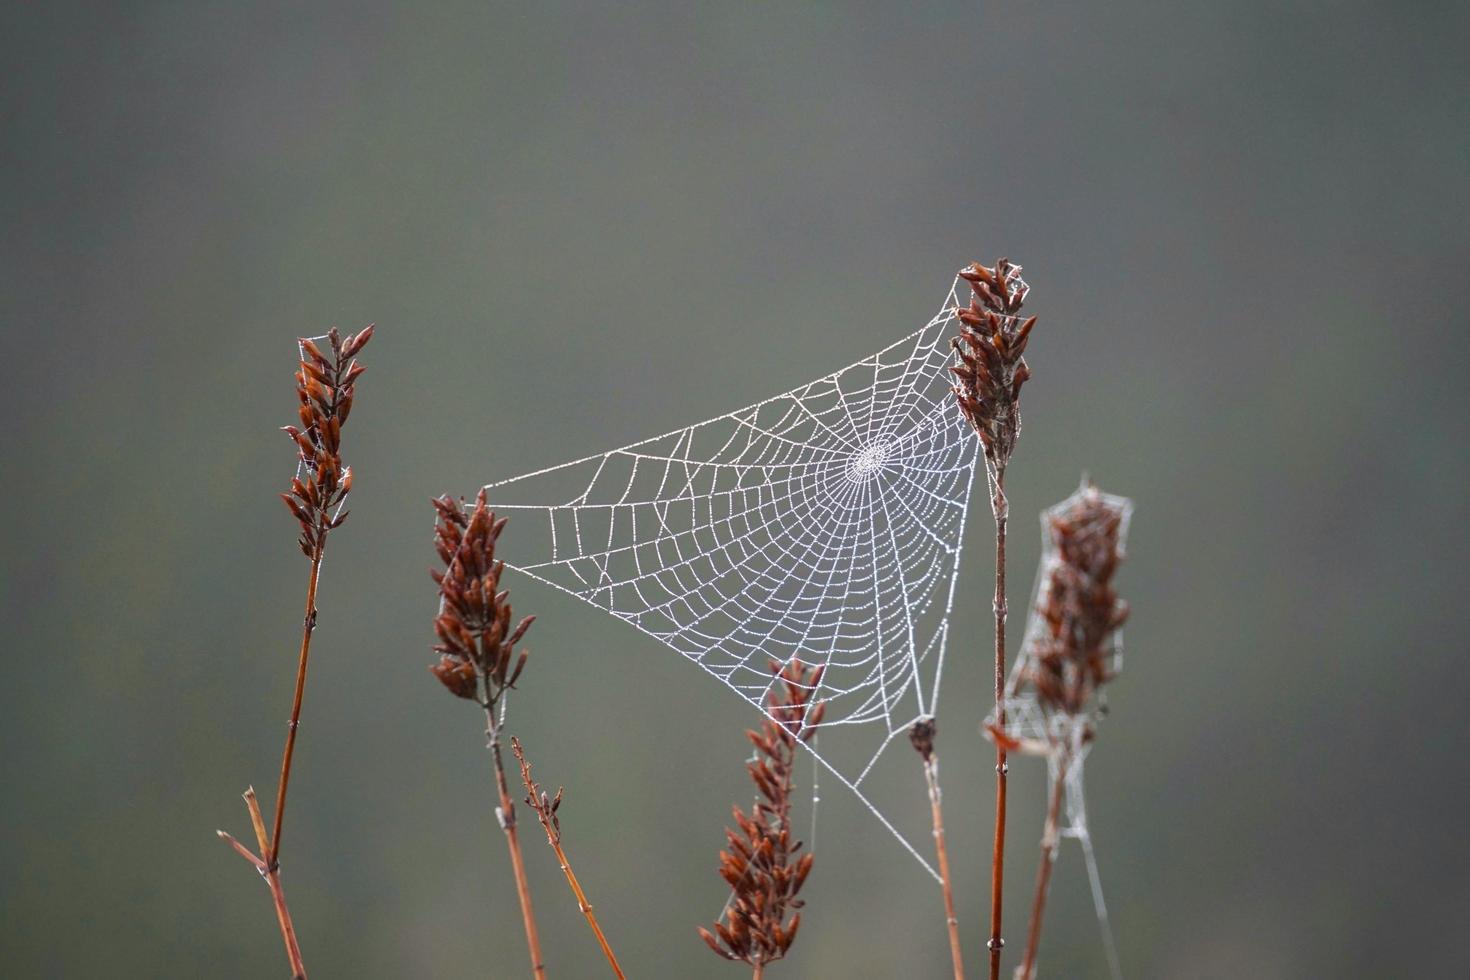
{"points": [[476, 641], [921, 735], [762, 865], [1071, 655], [991, 370], [325, 386]]}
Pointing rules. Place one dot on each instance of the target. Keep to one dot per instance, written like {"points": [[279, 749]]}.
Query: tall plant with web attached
{"points": [[988, 378], [478, 659]]}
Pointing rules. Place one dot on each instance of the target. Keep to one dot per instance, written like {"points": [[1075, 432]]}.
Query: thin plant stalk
{"points": [[506, 815], [268, 864], [1049, 842], [936, 808], [546, 812], [1000, 508], [308, 627], [922, 736]]}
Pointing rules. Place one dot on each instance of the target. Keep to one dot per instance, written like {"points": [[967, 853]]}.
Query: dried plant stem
{"points": [[308, 627], [1049, 841], [268, 863], [1000, 508], [936, 810], [546, 808], [325, 389], [586, 907], [271, 872], [506, 814]]}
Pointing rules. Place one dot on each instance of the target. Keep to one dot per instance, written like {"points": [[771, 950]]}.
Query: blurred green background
{"points": [[1245, 225]]}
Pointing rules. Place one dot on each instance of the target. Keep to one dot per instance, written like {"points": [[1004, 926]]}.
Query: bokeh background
{"points": [[1245, 225]]}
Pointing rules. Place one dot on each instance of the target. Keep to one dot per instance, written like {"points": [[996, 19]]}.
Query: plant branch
{"points": [[1049, 842], [546, 812], [271, 872], [506, 815], [1000, 508]]}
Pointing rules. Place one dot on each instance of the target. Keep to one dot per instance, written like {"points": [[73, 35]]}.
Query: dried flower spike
{"points": [[991, 370], [762, 864], [325, 386], [1071, 655], [476, 642]]}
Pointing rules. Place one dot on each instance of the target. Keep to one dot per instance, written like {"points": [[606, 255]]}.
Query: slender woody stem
{"points": [[1043, 873], [1000, 508], [268, 863], [936, 809], [308, 627], [507, 817], [586, 907]]}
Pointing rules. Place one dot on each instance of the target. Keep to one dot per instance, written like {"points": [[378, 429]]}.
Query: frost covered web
{"points": [[822, 524]]}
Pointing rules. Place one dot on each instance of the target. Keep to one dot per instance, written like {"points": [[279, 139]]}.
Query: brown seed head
{"points": [[325, 386], [991, 371], [476, 641], [762, 865], [1071, 657], [921, 736]]}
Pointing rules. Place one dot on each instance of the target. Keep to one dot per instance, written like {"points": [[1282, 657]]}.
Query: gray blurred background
{"points": [[1245, 228]]}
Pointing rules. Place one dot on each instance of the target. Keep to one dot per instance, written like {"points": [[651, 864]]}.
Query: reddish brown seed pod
{"points": [[475, 613], [324, 391], [989, 347]]}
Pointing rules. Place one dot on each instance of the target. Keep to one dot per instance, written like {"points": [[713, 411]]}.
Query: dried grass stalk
{"points": [[988, 381], [325, 389], [546, 811]]}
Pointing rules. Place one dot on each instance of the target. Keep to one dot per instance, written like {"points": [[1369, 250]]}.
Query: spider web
{"points": [[823, 524]]}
